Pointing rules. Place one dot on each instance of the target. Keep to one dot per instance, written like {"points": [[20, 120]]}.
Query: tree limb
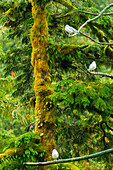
{"points": [[69, 159], [12, 152], [58, 16], [99, 73], [101, 43], [103, 74], [91, 19], [90, 13], [66, 49]]}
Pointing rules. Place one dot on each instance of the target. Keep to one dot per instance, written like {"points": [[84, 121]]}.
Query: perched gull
{"points": [[70, 29], [92, 66], [55, 154]]}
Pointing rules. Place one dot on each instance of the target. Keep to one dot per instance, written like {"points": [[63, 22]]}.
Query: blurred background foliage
{"points": [[84, 102]]}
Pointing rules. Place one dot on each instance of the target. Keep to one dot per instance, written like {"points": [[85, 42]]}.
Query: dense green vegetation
{"points": [[83, 101]]}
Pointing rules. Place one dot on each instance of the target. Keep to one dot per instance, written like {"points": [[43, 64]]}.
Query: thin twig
{"points": [[108, 126], [69, 159]]}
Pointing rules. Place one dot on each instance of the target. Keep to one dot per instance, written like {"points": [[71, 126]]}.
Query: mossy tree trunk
{"points": [[44, 108]]}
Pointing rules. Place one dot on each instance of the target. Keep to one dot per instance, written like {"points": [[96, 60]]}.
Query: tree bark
{"points": [[44, 108]]}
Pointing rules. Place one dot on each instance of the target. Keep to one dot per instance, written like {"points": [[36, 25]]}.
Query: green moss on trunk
{"points": [[44, 108], [62, 166]]}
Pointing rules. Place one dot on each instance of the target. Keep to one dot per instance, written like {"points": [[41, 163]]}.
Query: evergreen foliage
{"points": [[31, 151], [84, 102]]}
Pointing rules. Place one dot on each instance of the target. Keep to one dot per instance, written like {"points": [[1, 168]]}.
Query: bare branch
{"points": [[90, 20], [69, 159], [101, 43], [90, 13], [57, 16], [95, 17], [103, 74], [99, 73]]}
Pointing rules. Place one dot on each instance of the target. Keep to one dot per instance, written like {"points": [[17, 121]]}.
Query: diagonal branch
{"points": [[91, 20], [101, 43], [57, 16], [69, 159], [96, 16]]}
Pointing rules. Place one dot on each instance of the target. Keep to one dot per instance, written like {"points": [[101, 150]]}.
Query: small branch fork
{"points": [[69, 159], [95, 17], [88, 22]]}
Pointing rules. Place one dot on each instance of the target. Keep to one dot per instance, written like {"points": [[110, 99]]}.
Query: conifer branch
{"points": [[69, 159]]}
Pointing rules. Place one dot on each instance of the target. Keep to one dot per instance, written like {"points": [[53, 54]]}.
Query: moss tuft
{"points": [[108, 51], [62, 166]]}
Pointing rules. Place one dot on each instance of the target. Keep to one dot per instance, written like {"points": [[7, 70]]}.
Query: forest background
{"points": [[82, 101]]}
